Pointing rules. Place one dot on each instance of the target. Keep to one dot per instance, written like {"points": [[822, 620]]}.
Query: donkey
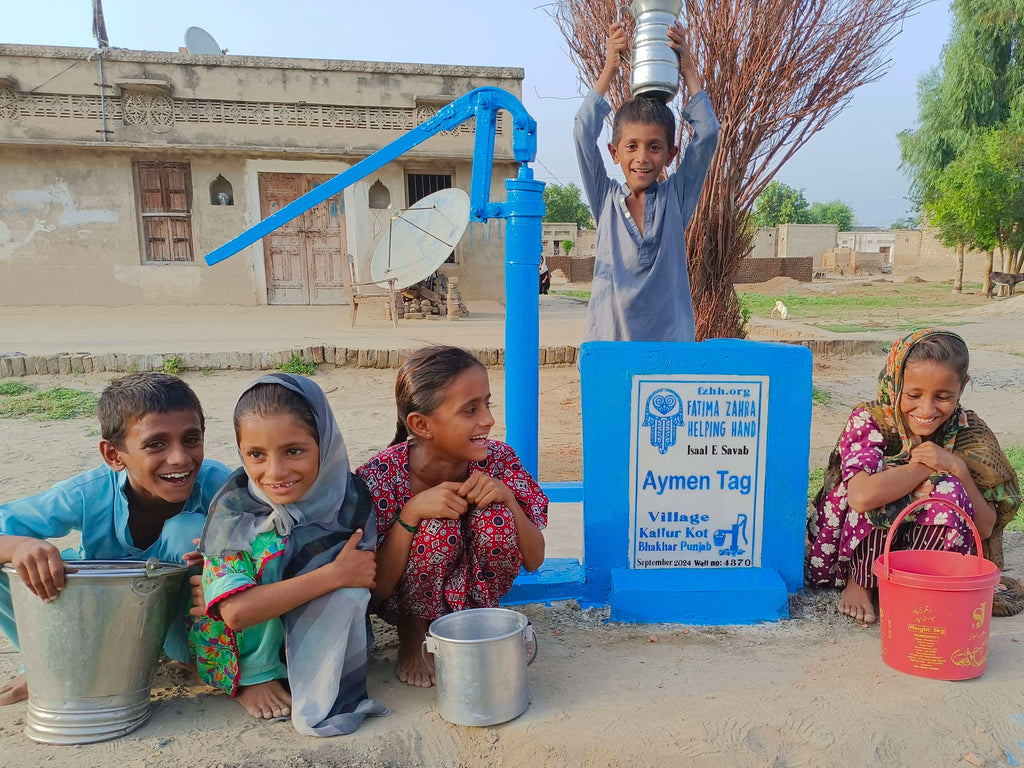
{"points": [[1008, 279]]}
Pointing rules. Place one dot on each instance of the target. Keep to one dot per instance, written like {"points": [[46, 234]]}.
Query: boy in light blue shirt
{"points": [[149, 499]]}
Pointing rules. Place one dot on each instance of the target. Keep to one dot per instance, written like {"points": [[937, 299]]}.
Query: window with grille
{"points": [[419, 185], [164, 195]]}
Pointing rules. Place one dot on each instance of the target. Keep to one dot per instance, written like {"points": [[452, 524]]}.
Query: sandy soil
{"points": [[811, 691]]}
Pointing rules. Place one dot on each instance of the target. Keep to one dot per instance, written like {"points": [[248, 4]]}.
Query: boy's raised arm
{"points": [[614, 48], [679, 42], [590, 121]]}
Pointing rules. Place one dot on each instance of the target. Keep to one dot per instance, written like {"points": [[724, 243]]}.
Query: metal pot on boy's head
{"points": [[654, 70]]}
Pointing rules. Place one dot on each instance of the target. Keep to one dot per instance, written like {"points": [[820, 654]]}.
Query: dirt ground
{"points": [[811, 691]]}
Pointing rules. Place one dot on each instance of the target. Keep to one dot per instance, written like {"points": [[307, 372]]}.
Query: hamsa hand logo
{"points": [[663, 414]]}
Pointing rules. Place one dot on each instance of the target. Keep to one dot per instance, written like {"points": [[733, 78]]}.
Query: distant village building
{"points": [[119, 173], [578, 265]]}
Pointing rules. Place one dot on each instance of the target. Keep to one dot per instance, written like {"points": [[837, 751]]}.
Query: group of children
{"points": [[296, 548]]}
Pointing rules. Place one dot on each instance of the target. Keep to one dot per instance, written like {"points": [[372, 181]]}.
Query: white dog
{"points": [[779, 310]]}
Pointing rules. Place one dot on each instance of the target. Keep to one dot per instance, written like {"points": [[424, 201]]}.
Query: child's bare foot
{"points": [[265, 701], [411, 667], [856, 603], [15, 690]]}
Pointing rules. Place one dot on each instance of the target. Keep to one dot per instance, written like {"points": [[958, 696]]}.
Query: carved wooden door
{"points": [[306, 258]]}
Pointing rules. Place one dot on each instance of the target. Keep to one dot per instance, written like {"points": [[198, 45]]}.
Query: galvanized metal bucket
{"points": [[654, 66], [89, 655], [480, 657]]}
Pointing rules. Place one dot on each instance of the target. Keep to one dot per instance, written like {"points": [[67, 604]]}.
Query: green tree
{"points": [[832, 212], [907, 222], [977, 87], [565, 203], [781, 204], [567, 246], [980, 197]]}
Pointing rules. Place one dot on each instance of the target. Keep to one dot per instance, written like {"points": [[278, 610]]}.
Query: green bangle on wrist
{"points": [[409, 528]]}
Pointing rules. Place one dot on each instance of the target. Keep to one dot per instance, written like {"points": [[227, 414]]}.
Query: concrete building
{"points": [[765, 243], [111, 194], [921, 253], [802, 240], [847, 261], [867, 240]]}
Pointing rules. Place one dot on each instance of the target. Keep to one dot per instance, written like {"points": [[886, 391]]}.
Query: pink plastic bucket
{"points": [[935, 607]]}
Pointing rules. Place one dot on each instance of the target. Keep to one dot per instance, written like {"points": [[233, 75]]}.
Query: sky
{"points": [[855, 158]]}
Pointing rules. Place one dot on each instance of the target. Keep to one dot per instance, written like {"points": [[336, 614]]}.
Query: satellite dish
{"points": [[198, 40], [420, 238]]}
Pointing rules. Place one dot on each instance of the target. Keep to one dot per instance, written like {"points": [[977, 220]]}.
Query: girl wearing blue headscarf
{"points": [[289, 558]]}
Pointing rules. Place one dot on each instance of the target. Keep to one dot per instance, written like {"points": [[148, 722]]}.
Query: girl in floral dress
{"points": [[914, 441], [457, 515], [287, 564]]}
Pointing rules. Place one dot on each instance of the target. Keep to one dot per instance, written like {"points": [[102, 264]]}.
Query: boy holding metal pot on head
{"points": [[641, 288]]}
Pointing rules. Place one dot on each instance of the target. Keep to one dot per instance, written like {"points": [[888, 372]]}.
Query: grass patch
{"points": [[820, 396], [762, 303], [172, 365], [55, 404], [585, 295], [814, 482], [295, 365], [12, 388], [1015, 454]]}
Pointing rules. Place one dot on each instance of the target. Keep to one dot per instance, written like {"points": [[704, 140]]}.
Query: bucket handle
{"points": [[915, 506], [429, 645], [530, 642]]}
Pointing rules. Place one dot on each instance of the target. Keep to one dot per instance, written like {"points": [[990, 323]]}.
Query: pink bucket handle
{"points": [[916, 505]]}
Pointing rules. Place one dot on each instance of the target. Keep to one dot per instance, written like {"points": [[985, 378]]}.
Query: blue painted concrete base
{"points": [[556, 579], [698, 596]]}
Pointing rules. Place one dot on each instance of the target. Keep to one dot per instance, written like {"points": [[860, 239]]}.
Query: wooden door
{"points": [[305, 259]]}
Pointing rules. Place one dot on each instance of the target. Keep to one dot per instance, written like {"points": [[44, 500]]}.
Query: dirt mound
{"points": [[913, 279], [780, 285]]}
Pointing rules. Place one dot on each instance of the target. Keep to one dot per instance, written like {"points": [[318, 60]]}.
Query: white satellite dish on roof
{"points": [[420, 238], [198, 40]]}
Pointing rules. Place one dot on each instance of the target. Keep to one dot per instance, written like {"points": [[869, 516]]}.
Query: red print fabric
{"points": [[453, 564]]}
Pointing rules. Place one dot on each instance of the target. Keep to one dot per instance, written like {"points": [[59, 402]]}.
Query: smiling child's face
{"points": [[642, 153], [929, 396], [163, 453], [280, 455]]}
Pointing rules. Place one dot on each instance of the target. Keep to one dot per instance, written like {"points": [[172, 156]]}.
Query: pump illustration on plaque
{"points": [[663, 414], [734, 533]]}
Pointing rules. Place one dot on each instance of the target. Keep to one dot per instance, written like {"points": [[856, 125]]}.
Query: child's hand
{"points": [[939, 459], [615, 46], [198, 600], [355, 567], [193, 558], [679, 42], [40, 567], [482, 489], [441, 501]]}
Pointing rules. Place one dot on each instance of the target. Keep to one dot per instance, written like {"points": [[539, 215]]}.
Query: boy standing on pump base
{"points": [[148, 499], [641, 289]]}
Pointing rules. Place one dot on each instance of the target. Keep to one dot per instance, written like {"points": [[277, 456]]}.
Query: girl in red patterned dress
{"points": [[457, 515]]}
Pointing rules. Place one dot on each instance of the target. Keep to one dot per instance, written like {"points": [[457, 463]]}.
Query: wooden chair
{"points": [[357, 296]]}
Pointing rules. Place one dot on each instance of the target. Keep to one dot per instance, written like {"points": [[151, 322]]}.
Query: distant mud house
{"points": [[118, 174]]}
